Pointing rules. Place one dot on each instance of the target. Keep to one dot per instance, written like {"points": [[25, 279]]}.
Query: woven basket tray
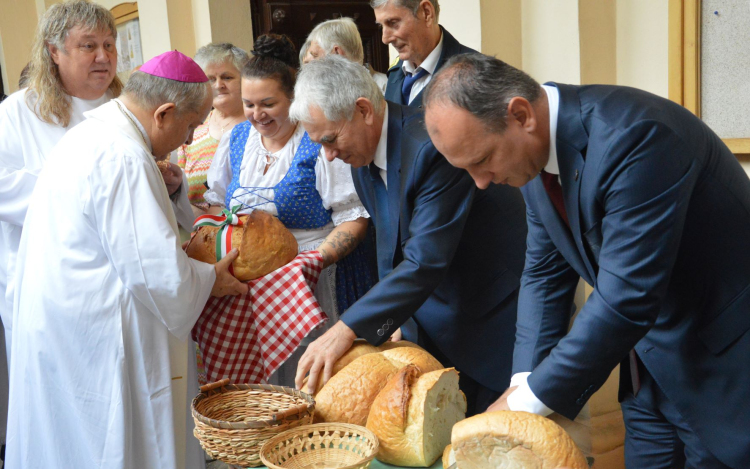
{"points": [[321, 446], [232, 421]]}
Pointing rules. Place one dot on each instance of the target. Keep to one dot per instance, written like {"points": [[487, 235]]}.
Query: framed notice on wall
{"points": [[709, 66], [129, 52]]}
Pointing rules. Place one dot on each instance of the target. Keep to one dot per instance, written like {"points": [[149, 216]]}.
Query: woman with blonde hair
{"points": [[222, 63]]}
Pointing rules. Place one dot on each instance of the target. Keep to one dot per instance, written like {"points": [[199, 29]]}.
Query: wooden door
{"points": [[296, 18]]}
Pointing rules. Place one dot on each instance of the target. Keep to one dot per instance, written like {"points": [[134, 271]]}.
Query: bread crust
{"points": [[348, 395], [511, 440]]}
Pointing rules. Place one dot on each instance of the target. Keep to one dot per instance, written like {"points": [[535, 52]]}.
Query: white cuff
{"points": [[519, 378], [524, 398]]}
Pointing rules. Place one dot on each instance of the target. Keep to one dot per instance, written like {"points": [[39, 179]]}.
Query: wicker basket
{"points": [[323, 445], [233, 421]]}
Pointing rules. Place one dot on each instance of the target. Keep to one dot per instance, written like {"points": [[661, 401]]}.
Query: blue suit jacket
{"points": [[455, 258], [451, 47], [659, 210]]}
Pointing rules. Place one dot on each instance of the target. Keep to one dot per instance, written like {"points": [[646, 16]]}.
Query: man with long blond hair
{"points": [[72, 70]]}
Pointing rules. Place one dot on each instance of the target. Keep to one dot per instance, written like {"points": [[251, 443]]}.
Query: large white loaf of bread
{"points": [[348, 395], [513, 440], [413, 415]]}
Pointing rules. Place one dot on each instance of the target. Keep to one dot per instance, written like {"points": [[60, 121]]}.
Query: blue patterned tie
{"points": [[409, 80], [382, 222]]}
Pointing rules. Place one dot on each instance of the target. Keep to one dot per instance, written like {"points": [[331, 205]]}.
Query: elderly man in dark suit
{"points": [[449, 255], [642, 200], [411, 27]]}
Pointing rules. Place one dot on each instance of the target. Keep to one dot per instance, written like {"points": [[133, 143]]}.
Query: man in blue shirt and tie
{"points": [[411, 27]]}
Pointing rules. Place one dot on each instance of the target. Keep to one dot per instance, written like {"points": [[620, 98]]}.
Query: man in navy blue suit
{"points": [[423, 46], [449, 256], [642, 200]]}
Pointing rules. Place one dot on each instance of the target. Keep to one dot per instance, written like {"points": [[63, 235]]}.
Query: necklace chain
{"points": [[226, 124]]}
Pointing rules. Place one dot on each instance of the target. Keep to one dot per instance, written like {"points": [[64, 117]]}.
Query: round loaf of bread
{"points": [[514, 440], [348, 395], [413, 416], [265, 244]]}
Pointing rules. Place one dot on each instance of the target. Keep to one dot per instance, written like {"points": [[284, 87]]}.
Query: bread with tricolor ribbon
{"points": [[264, 243]]}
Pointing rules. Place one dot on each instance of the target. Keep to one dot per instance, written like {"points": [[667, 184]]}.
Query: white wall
{"points": [[154, 23], [550, 45], [462, 18], [643, 45]]}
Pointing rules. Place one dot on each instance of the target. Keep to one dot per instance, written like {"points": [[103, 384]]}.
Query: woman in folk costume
{"points": [[222, 63], [269, 163]]}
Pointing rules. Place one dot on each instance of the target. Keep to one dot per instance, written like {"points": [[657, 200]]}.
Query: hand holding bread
{"points": [[321, 356], [225, 283]]}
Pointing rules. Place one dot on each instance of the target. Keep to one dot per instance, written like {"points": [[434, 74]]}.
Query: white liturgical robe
{"points": [[25, 142], [102, 281]]}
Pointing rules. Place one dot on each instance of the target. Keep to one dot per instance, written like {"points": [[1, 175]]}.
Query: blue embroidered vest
{"points": [[297, 200]]}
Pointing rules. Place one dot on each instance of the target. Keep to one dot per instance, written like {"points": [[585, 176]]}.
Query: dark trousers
{"points": [[478, 396], [657, 437]]}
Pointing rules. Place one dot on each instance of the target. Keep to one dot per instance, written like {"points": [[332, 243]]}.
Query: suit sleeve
{"points": [[442, 200], [646, 180], [548, 284]]}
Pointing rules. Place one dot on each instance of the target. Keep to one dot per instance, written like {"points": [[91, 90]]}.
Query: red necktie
{"points": [[552, 185]]}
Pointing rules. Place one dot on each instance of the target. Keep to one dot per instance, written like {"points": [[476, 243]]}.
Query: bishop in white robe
{"points": [[102, 281]]}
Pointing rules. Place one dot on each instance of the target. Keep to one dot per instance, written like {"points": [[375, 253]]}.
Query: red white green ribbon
{"points": [[226, 223]]}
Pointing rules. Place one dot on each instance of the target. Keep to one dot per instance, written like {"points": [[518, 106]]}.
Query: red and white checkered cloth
{"points": [[246, 338]]}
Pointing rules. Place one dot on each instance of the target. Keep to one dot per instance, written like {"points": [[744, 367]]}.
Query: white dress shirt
{"points": [[429, 65], [381, 152], [524, 398]]}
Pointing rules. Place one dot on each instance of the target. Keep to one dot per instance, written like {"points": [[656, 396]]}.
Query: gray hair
{"points": [[150, 92], [340, 32], [220, 52], [303, 50], [333, 84], [412, 5], [482, 85]]}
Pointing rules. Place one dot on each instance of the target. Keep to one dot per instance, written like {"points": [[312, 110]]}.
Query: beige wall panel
{"points": [[597, 24], [551, 50], [643, 44], [501, 30], [231, 22], [17, 25], [201, 23], [181, 27]]}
